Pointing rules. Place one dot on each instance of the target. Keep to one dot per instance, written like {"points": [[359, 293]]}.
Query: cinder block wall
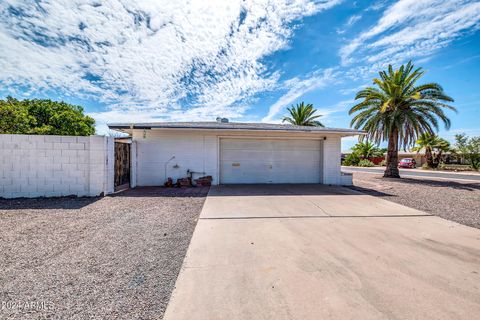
{"points": [[49, 166]]}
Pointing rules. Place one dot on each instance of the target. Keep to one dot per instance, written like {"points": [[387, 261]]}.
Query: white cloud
{"points": [[178, 58], [465, 60], [412, 28], [341, 106], [350, 22], [348, 143], [377, 5], [297, 88], [353, 19], [352, 91], [450, 134]]}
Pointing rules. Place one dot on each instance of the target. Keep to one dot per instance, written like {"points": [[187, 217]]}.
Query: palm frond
{"points": [[397, 103], [303, 115]]}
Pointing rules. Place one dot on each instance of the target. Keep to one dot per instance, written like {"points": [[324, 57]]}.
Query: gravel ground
{"points": [[94, 258], [457, 201]]}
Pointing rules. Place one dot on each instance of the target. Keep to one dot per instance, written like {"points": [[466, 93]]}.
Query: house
{"points": [[419, 157], [235, 153]]}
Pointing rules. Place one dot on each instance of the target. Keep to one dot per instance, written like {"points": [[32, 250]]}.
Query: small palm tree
{"points": [[367, 150], [433, 146], [399, 110], [303, 115]]}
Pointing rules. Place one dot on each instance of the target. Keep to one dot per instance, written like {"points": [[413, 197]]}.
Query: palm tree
{"points": [[434, 146], [399, 110], [367, 150], [303, 115]]}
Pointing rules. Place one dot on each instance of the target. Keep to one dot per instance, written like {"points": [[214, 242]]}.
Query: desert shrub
{"points": [[365, 163], [351, 160], [368, 150]]}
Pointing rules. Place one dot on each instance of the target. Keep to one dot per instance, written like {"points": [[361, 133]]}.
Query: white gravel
{"points": [[102, 258]]}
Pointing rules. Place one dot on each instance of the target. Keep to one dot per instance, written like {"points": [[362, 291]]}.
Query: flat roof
{"points": [[214, 125]]}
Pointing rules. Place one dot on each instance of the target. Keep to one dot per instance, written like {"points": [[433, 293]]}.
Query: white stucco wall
{"points": [[331, 161], [46, 166], [133, 164], [191, 151], [199, 152]]}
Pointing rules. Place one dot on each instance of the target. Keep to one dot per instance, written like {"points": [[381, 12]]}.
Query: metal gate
{"points": [[122, 165]]}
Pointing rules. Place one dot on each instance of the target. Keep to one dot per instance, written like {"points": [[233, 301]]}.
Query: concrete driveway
{"points": [[317, 252]]}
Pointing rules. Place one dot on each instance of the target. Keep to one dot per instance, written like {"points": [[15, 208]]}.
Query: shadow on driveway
{"points": [[371, 192], [277, 190], [440, 183], [64, 203], [187, 192], [73, 203]]}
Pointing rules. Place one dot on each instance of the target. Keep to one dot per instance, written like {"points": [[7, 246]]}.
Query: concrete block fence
{"points": [[49, 166]]}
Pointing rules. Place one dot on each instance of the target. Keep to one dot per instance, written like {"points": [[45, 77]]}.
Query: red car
{"points": [[409, 163]]}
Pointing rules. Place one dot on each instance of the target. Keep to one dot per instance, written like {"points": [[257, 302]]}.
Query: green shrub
{"points": [[469, 148], [365, 163], [351, 160], [366, 150], [383, 163], [425, 166], [44, 116]]}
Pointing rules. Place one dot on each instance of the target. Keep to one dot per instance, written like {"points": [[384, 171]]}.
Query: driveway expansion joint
{"points": [[315, 217]]}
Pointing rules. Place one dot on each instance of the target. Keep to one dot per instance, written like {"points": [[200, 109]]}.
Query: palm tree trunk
{"points": [[392, 156], [429, 157], [436, 159]]}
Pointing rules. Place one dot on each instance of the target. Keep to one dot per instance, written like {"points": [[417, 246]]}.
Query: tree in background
{"points": [[14, 117], [44, 116], [361, 154], [368, 150], [398, 110], [469, 148], [433, 146], [303, 115], [352, 159]]}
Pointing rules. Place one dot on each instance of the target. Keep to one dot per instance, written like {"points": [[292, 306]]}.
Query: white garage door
{"points": [[269, 161]]}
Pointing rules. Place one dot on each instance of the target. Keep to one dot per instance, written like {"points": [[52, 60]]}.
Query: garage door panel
{"points": [[277, 165], [296, 145], [299, 167], [269, 161], [273, 144], [274, 155]]}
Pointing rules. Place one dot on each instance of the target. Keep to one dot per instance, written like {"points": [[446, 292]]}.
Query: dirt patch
{"points": [[104, 258], [457, 201]]}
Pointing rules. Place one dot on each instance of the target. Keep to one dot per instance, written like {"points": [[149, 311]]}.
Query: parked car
{"points": [[409, 163]]}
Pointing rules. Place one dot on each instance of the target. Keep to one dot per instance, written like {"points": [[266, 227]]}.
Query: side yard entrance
{"points": [[122, 165]]}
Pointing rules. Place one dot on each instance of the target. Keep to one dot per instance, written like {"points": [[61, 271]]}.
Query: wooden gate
{"points": [[122, 165]]}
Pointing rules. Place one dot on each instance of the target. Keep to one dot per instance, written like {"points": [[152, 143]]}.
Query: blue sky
{"points": [[134, 61]]}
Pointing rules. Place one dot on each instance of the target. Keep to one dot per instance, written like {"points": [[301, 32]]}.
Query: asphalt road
{"points": [[418, 173]]}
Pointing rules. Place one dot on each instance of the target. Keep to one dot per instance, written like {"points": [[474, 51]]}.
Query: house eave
{"points": [[300, 130]]}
